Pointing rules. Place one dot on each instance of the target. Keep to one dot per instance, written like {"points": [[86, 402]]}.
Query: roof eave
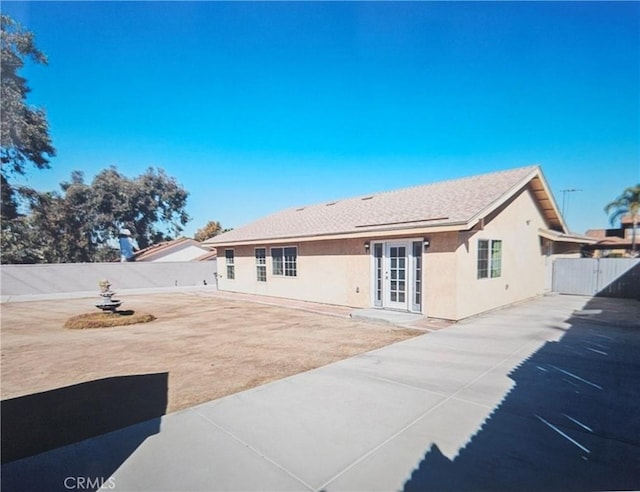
{"points": [[550, 213], [372, 232]]}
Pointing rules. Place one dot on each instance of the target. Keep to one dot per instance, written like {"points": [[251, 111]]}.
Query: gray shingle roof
{"points": [[444, 203]]}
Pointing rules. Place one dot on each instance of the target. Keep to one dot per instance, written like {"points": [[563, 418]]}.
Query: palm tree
{"points": [[627, 204]]}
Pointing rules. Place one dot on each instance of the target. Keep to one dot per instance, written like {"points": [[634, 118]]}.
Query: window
{"points": [[231, 268], [261, 264], [276, 261], [377, 254], [417, 274], [489, 258], [284, 261], [290, 262], [496, 259]]}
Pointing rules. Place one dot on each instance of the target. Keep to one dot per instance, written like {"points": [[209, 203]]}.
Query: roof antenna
{"points": [[565, 201]]}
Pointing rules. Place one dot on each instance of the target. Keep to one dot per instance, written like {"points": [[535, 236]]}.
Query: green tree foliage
{"points": [[24, 135], [628, 203], [150, 205], [213, 228], [81, 222]]}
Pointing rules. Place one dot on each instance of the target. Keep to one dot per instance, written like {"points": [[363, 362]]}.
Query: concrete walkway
{"points": [[539, 396]]}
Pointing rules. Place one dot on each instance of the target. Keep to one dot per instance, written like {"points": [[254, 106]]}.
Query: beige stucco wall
{"points": [[339, 272], [523, 261], [439, 277], [331, 272]]}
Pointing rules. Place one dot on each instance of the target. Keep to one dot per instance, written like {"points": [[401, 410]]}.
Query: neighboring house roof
{"points": [[603, 233], [596, 233], [161, 250], [566, 238], [614, 241], [211, 255], [449, 205], [628, 220], [609, 239]]}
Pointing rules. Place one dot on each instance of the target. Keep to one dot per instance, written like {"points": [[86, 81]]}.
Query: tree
{"points": [[628, 203], [62, 223], [150, 205], [24, 135], [80, 223], [213, 228]]}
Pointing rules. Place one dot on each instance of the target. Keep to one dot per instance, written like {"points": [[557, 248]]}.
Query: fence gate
{"points": [[607, 277]]}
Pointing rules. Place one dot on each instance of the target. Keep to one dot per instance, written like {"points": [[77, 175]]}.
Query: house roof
{"points": [[448, 205], [162, 249]]}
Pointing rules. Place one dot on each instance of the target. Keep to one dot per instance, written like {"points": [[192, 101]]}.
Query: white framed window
{"points": [[230, 262], [378, 266], [261, 264], [417, 275], [489, 258], [284, 261]]}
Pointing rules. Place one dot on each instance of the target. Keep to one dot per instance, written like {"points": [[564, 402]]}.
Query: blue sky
{"points": [[258, 106]]}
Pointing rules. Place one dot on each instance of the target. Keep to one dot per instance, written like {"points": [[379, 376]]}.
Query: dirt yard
{"points": [[209, 347]]}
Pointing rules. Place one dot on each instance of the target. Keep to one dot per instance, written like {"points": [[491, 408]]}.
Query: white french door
{"points": [[396, 275]]}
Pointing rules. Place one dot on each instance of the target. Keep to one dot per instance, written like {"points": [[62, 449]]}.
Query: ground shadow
{"points": [[38, 429], [126, 312], [572, 421], [626, 284]]}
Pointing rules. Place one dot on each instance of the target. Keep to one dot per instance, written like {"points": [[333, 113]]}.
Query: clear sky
{"points": [[259, 106]]}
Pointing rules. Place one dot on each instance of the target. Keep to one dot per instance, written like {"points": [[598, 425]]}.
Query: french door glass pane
{"points": [[417, 274], [377, 252], [397, 273]]}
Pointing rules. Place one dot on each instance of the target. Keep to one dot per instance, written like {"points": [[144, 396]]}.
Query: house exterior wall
{"points": [[340, 272], [523, 260], [439, 278], [331, 272]]}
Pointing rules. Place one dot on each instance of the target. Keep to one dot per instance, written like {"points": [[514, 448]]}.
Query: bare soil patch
{"points": [[209, 347], [107, 320]]}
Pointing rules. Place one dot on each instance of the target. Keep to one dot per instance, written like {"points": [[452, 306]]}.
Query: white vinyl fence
{"points": [[607, 277], [58, 278]]}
